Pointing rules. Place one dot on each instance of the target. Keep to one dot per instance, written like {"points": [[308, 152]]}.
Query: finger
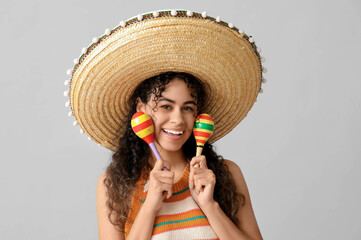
{"points": [[207, 179], [167, 180], [204, 173], [163, 187], [166, 165], [200, 185], [160, 164], [204, 179], [168, 189], [158, 177], [197, 184], [200, 160], [196, 174], [166, 174], [200, 177], [192, 174], [170, 193], [198, 170], [167, 194], [191, 180]]}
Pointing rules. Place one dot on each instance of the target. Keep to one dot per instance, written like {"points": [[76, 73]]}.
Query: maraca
{"points": [[143, 127], [202, 131]]}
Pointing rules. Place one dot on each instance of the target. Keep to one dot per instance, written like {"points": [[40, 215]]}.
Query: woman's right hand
{"points": [[160, 185]]}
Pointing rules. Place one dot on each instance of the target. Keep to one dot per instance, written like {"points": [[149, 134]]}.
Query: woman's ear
{"points": [[140, 105]]}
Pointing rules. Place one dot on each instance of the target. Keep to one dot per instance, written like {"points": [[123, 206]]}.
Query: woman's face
{"points": [[173, 116]]}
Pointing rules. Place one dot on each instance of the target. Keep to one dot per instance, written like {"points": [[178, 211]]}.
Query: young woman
{"points": [[173, 101], [171, 65]]}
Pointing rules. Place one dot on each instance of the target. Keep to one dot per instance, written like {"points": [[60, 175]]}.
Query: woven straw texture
{"points": [[224, 60]]}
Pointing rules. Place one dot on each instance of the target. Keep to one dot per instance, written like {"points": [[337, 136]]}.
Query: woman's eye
{"points": [[166, 106], [188, 109]]}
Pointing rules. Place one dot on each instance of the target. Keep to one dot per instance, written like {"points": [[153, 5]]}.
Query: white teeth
{"points": [[173, 132]]}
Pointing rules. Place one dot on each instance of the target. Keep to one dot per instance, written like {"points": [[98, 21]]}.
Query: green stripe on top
{"points": [[203, 126], [178, 221]]}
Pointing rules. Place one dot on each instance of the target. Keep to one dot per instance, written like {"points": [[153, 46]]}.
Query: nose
{"points": [[177, 117]]}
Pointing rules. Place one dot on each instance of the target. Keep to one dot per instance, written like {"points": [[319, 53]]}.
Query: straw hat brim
{"points": [[223, 59]]}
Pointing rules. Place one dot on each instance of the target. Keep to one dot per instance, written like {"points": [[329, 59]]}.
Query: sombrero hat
{"points": [[221, 56]]}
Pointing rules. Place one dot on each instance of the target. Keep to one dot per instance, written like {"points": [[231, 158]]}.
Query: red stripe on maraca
{"points": [[201, 134], [205, 117], [142, 126], [200, 141], [137, 114], [149, 138]]}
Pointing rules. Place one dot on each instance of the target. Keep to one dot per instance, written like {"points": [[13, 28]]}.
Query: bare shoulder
{"points": [[101, 178], [231, 165], [100, 184], [238, 178], [236, 172], [106, 229], [101, 193], [246, 216]]}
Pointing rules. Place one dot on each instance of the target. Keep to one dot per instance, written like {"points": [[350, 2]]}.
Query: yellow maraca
{"points": [[202, 131], [143, 127]]}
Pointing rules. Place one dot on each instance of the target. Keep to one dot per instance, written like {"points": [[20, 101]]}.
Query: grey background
{"points": [[299, 147]]}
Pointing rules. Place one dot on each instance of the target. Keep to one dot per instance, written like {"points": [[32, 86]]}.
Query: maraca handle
{"points": [[154, 149], [199, 150], [156, 153]]}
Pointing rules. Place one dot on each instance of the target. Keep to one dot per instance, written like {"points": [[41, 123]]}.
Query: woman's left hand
{"points": [[201, 182]]}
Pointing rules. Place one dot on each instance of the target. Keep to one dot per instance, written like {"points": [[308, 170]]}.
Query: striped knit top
{"points": [[179, 217]]}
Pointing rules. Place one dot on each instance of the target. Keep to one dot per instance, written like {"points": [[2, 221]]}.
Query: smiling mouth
{"points": [[178, 133]]}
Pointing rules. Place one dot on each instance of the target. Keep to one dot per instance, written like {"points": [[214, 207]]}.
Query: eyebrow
{"points": [[172, 101]]}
